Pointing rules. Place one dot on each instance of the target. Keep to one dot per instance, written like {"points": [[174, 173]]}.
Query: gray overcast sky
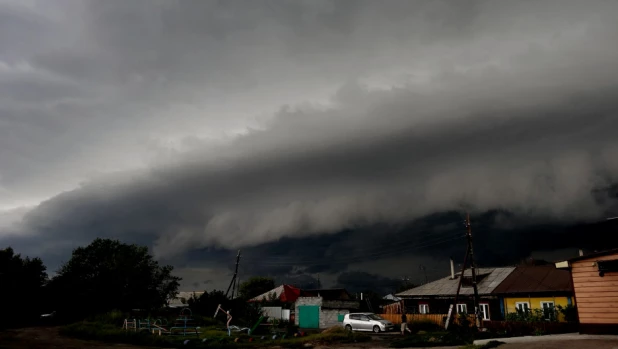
{"points": [[228, 124]]}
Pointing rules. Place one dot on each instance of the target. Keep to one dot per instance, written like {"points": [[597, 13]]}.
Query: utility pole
{"points": [[422, 267], [473, 270], [406, 281], [233, 282], [461, 276]]}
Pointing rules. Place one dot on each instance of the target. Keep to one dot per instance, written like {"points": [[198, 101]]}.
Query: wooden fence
{"points": [[438, 319]]}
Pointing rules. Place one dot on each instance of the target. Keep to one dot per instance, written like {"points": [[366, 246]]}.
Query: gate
{"points": [[309, 316]]}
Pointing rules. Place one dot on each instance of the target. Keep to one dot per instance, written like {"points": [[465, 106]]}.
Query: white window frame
{"points": [[553, 306], [517, 304], [485, 313], [423, 308], [462, 308]]}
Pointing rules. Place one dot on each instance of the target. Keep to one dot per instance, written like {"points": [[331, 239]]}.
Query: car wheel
{"points": [[348, 328], [376, 329]]}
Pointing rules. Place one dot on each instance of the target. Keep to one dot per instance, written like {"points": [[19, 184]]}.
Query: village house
{"points": [[436, 297], [320, 308], [535, 287], [595, 282], [279, 302]]}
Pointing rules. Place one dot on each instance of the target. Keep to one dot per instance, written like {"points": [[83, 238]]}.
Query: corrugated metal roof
{"points": [[536, 279], [276, 292], [328, 293], [489, 279], [594, 255], [284, 293]]}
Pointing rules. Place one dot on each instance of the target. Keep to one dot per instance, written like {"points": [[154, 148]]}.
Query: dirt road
{"points": [[48, 338], [571, 344]]}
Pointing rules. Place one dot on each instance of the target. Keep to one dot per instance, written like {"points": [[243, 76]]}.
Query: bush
{"points": [[514, 329], [114, 317], [569, 312]]}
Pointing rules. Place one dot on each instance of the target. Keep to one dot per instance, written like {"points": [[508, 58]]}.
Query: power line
{"points": [[380, 251], [360, 253], [414, 238], [362, 257]]}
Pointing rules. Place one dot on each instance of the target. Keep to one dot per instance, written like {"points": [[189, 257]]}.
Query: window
{"points": [[462, 308], [423, 308], [523, 307], [364, 318], [548, 310], [484, 311], [355, 317]]}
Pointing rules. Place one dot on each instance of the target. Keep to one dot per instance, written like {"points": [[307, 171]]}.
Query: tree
{"points": [[206, 304], [108, 274], [256, 286], [21, 283]]}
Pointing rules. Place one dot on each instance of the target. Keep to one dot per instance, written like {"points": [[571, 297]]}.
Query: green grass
{"points": [[214, 337]]}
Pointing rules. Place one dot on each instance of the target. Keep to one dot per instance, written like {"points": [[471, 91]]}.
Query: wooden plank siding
{"points": [[596, 296]]}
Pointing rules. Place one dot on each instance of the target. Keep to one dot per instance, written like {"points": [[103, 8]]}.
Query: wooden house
{"points": [[436, 297], [595, 282], [536, 287]]}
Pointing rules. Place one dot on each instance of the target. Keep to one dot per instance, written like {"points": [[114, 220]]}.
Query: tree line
{"points": [[100, 277], [106, 275]]}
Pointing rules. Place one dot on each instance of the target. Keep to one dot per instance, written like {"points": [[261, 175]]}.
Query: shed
{"points": [[595, 282], [323, 308]]}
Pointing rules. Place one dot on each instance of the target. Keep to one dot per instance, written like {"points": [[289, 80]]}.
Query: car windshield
{"points": [[375, 317]]}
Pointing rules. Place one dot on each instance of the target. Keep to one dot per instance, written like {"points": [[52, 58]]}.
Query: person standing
{"points": [[404, 323]]}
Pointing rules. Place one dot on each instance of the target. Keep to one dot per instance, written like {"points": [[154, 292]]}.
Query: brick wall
{"points": [[306, 301], [328, 317]]}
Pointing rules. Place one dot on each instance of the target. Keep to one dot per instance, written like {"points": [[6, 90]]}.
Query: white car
{"points": [[366, 322]]}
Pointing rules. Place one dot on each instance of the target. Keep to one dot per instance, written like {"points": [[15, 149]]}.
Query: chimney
{"points": [[452, 269], [581, 252]]}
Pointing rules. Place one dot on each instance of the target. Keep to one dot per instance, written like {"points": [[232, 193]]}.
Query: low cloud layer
{"points": [[156, 125]]}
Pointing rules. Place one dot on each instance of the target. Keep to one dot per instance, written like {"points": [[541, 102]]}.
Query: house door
{"points": [[309, 316]]}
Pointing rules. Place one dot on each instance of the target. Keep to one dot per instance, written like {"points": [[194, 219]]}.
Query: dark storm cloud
{"points": [[358, 281], [434, 106], [544, 162]]}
